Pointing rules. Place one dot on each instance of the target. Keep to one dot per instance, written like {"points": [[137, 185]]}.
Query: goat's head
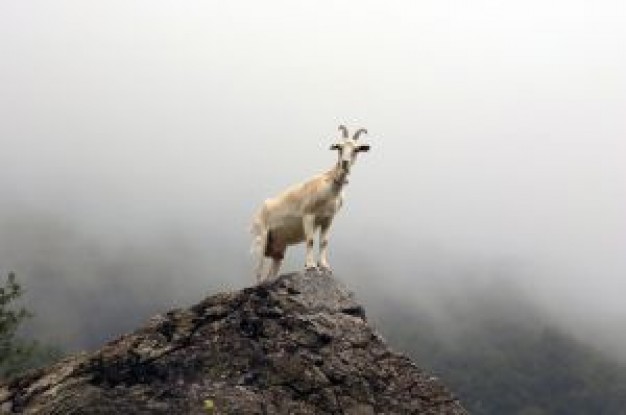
{"points": [[348, 148]]}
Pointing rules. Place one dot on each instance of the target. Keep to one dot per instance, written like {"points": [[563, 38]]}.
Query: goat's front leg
{"points": [[276, 262], [308, 222], [325, 227]]}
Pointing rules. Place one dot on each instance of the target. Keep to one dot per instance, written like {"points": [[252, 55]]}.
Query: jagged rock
{"points": [[296, 345]]}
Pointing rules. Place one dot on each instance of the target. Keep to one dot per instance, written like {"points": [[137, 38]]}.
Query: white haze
{"points": [[497, 130]]}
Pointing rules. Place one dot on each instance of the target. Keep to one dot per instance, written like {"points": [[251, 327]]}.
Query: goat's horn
{"points": [[344, 131], [358, 133]]}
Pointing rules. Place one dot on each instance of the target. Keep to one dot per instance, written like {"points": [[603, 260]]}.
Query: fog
{"points": [[137, 139]]}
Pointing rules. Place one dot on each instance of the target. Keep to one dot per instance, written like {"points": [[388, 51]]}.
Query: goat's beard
{"points": [[342, 174]]}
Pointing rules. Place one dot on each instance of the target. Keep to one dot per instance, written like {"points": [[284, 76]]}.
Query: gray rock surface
{"points": [[296, 345]]}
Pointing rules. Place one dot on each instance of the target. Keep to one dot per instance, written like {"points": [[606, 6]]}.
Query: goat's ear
{"points": [[335, 147], [363, 147]]}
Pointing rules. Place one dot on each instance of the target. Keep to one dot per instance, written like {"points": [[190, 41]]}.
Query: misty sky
{"points": [[498, 135]]}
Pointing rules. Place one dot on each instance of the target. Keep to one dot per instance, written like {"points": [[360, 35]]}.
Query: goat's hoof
{"points": [[325, 269], [310, 268]]}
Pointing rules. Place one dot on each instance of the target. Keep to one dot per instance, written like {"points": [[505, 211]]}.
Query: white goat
{"points": [[296, 215]]}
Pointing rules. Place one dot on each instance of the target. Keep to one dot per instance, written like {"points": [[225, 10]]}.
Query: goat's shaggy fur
{"points": [[298, 213]]}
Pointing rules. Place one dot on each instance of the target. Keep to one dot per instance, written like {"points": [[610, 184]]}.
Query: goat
{"points": [[297, 214]]}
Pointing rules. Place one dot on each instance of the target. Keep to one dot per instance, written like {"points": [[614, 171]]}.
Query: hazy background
{"points": [[138, 137]]}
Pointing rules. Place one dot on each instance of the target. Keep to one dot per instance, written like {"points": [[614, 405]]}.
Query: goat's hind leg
{"points": [[277, 259], [276, 250], [276, 263], [259, 268], [263, 251]]}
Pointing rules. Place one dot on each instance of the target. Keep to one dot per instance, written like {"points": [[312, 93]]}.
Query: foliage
{"points": [[17, 355]]}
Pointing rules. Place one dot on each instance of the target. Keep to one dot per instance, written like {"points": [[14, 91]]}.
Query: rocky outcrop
{"points": [[296, 345]]}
